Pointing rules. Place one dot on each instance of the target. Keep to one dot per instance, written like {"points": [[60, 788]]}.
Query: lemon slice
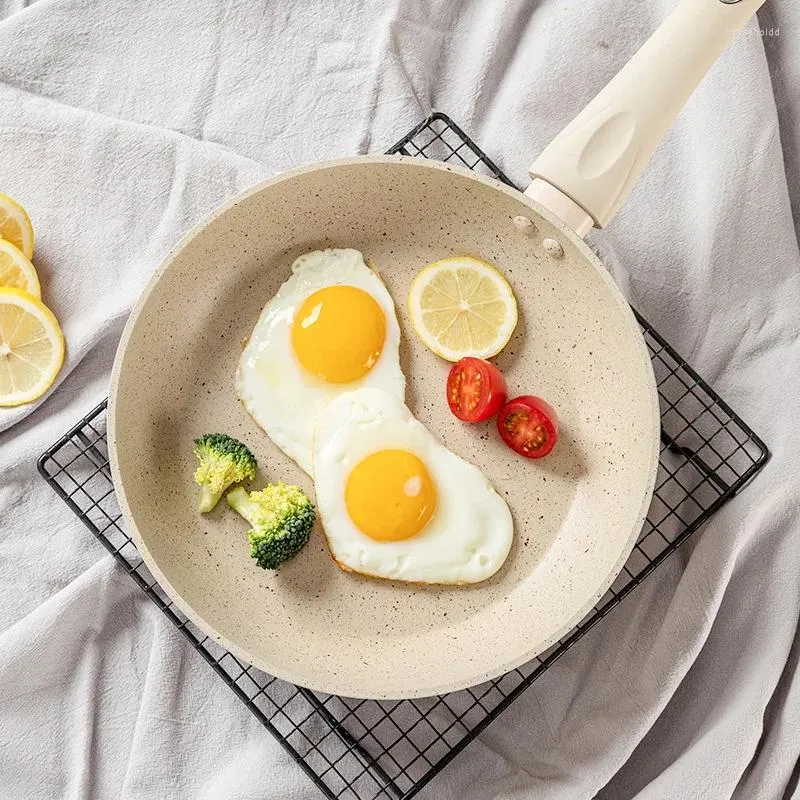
{"points": [[462, 307], [16, 271], [31, 347], [15, 225]]}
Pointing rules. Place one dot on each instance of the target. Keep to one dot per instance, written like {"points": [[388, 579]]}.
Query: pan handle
{"points": [[587, 172]]}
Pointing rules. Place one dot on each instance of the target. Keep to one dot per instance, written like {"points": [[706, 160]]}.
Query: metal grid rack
{"points": [[388, 750]]}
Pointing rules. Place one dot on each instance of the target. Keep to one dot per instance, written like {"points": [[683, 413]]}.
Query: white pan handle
{"points": [[587, 172]]}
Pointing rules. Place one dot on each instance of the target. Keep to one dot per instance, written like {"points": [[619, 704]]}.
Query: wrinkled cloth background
{"points": [[123, 123]]}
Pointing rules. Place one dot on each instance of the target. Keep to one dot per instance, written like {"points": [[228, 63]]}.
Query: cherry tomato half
{"points": [[476, 389], [529, 426]]}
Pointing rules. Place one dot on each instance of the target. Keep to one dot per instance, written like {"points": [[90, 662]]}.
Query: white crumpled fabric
{"points": [[121, 124]]}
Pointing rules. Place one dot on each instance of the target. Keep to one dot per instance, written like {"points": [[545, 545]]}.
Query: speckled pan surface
{"points": [[576, 513]]}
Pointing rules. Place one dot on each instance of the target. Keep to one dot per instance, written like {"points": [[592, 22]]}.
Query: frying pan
{"points": [[577, 513]]}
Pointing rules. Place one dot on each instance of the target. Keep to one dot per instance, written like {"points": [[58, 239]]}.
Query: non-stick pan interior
{"points": [[576, 513]]}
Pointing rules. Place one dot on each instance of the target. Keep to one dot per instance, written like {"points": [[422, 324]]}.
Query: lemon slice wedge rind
{"points": [[16, 271], [461, 307], [15, 225], [31, 347]]}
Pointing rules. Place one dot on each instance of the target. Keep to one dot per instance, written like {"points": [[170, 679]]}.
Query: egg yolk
{"points": [[390, 495], [338, 333]]}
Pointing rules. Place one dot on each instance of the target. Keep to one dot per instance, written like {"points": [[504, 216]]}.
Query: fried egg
{"points": [[395, 503], [331, 328]]}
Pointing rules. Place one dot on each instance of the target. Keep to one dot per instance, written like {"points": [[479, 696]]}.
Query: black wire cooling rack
{"points": [[388, 750]]}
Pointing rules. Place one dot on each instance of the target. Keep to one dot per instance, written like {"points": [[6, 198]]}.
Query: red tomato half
{"points": [[476, 389], [529, 426]]}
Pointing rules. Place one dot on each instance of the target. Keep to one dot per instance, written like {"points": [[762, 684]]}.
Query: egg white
{"points": [[281, 396], [467, 539]]}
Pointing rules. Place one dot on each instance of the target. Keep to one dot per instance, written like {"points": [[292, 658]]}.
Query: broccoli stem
{"points": [[208, 499], [239, 500]]}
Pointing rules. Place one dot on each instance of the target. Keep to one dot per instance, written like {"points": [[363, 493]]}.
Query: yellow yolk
{"points": [[338, 333], [390, 495]]}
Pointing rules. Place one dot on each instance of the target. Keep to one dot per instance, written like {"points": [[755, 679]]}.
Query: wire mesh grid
{"points": [[376, 750]]}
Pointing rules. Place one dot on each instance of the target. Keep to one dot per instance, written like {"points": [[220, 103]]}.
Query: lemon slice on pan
{"points": [[31, 347], [16, 271], [462, 307], [15, 225]]}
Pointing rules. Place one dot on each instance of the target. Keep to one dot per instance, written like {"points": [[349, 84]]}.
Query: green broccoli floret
{"points": [[223, 462], [282, 517]]}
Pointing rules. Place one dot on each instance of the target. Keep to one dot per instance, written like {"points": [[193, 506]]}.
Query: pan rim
{"points": [[345, 690]]}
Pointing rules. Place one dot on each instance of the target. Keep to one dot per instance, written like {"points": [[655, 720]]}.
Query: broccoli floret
{"points": [[281, 517], [223, 462]]}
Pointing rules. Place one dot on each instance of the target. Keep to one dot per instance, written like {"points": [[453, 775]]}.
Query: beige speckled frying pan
{"points": [[576, 513]]}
